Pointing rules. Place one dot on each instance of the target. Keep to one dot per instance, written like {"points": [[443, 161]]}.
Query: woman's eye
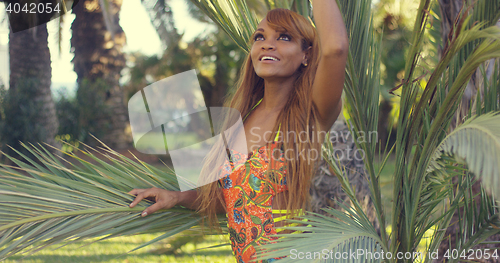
{"points": [[285, 37], [258, 37]]}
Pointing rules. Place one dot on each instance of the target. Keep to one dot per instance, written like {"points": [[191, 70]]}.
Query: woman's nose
{"points": [[268, 45]]}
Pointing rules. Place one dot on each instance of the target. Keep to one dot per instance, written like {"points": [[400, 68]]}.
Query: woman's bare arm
{"points": [[189, 199], [329, 79], [165, 199]]}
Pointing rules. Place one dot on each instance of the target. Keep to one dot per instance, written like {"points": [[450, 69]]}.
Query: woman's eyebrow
{"points": [[255, 33]]}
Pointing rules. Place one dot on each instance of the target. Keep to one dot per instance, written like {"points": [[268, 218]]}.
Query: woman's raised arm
{"points": [[329, 79]]}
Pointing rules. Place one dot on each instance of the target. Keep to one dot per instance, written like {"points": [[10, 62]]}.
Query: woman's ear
{"points": [[306, 55]]}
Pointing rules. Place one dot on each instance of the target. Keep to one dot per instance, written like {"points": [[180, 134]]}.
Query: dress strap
{"points": [[252, 109], [278, 133], [279, 127]]}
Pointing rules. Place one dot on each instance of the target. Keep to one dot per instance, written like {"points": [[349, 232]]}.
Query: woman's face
{"points": [[275, 54]]}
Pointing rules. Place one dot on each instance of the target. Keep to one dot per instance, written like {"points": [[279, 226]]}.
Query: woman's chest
{"points": [[256, 132], [257, 175]]}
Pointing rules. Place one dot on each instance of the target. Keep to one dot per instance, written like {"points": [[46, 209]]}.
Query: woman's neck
{"points": [[276, 94]]}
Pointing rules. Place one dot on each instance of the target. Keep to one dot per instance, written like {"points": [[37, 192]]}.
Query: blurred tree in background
{"points": [[97, 43], [393, 23], [216, 57], [28, 107]]}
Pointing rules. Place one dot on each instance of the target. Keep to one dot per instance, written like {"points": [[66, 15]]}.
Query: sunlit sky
{"points": [[141, 36]]}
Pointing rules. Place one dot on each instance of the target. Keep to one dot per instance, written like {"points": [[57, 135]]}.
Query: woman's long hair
{"points": [[299, 114]]}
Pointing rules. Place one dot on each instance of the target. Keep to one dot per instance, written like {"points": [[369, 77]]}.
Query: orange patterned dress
{"points": [[249, 188], [248, 191]]}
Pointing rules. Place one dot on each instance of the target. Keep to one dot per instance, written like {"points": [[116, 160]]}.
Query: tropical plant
{"points": [[450, 11], [49, 200], [89, 200], [422, 198]]}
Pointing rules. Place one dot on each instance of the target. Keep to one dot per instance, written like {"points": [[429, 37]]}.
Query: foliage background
{"points": [[433, 176]]}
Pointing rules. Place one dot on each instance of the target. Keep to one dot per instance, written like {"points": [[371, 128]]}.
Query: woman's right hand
{"points": [[164, 199]]}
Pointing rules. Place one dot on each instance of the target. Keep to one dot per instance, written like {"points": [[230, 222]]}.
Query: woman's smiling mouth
{"points": [[269, 58]]}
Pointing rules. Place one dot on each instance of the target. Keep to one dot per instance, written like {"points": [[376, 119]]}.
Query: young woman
{"points": [[288, 96]]}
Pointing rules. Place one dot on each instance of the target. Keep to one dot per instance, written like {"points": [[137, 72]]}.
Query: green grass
{"points": [[174, 141], [115, 251]]}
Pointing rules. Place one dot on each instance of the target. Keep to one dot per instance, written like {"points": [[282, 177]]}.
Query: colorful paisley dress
{"points": [[249, 188], [248, 191]]}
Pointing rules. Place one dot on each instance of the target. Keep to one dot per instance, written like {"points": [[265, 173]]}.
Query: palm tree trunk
{"points": [[97, 44], [326, 189], [30, 77]]}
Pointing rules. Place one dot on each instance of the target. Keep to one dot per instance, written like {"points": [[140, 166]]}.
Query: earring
{"points": [[305, 64]]}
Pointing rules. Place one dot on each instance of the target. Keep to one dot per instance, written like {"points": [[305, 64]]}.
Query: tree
{"points": [[97, 42], [29, 107]]}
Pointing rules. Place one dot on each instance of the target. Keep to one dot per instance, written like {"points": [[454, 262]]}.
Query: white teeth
{"points": [[267, 57]]}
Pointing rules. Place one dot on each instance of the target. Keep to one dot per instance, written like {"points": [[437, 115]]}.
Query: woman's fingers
{"points": [[141, 194], [151, 209], [137, 199], [162, 198], [134, 191], [137, 191]]}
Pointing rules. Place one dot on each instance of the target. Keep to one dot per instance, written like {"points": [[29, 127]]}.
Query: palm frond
{"points": [[425, 126], [477, 144], [281, 3], [233, 16], [475, 217], [489, 99], [486, 51], [339, 232], [44, 202], [302, 7], [107, 15], [478, 217], [415, 121], [361, 89]]}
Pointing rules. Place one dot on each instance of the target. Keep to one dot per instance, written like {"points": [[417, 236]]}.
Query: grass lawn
{"points": [[115, 251], [174, 140]]}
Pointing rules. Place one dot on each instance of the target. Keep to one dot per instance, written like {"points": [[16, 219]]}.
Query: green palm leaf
{"points": [[44, 202], [233, 16], [361, 89], [477, 144], [340, 232]]}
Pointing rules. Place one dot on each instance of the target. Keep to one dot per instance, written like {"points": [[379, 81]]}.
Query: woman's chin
{"points": [[269, 75]]}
